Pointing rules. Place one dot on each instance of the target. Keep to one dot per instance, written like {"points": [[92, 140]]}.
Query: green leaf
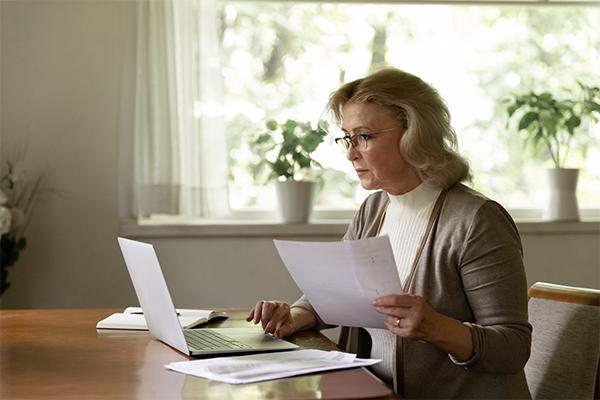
{"points": [[592, 106], [549, 122], [311, 142], [302, 160], [289, 145], [290, 124], [572, 123], [512, 108], [271, 125], [289, 137], [264, 138], [527, 120], [282, 167]]}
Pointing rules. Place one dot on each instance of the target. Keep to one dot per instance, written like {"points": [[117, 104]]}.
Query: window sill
{"points": [[316, 228]]}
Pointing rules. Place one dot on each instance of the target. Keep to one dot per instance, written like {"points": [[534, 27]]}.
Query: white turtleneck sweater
{"points": [[405, 222]]}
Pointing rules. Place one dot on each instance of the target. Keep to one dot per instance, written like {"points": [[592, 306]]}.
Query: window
{"points": [[282, 60]]}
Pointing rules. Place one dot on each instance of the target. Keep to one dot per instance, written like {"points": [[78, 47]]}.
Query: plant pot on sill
{"points": [[294, 199], [562, 195]]}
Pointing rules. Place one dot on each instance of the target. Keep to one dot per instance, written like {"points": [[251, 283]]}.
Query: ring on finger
{"points": [[397, 322]]}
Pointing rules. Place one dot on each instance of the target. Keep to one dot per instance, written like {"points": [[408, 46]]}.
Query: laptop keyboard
{"points": [[207, 339]]}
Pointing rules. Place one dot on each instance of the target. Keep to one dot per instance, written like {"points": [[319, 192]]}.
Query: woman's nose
{"points": [[352, 153]]}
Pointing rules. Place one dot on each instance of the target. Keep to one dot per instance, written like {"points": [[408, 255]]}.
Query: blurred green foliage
{"points": [[550, 123], [285, 149]]}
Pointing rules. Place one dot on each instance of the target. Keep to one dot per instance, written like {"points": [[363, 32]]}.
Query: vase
{"points": [[562, 195], [294, 199]]}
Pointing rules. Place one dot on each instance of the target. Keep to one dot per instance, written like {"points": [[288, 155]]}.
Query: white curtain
{"points": [[180, 157]]}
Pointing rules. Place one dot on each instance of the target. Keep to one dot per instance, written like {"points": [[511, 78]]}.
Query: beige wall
{"points": [[64, 70], [60, 91]]}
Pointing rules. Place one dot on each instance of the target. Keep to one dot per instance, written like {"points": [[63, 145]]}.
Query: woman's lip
{"points": [[360, 171]]}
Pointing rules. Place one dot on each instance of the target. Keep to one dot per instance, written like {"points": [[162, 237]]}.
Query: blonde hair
{"points": [[429, 141]]}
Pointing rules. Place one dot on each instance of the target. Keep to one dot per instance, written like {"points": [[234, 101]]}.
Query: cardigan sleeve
{"points": [[494, 281], [303, 302]]}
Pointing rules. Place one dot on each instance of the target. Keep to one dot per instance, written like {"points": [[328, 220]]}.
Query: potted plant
{"points": [[18, 198], [549, 125], [285, 150]]}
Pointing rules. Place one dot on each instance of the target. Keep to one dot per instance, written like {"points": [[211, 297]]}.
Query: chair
{"points": [[565, 353]]}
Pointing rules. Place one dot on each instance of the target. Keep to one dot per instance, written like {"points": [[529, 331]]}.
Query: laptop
{"points": [[161, 317]]}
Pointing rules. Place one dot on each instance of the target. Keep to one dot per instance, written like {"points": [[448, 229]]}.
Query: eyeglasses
{"points": [[360, 140]]}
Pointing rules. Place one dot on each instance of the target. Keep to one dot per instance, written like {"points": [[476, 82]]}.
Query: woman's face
{"points": [[381, 165]]}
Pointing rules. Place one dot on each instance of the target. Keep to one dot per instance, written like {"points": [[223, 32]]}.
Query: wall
{"points": [[62, 63], [64, 73]]}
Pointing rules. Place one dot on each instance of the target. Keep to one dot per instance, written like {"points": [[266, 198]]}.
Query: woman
{"points": [[460, 328]]}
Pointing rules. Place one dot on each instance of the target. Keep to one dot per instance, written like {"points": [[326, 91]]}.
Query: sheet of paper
{"points": [[341, 279], [267, 366]]}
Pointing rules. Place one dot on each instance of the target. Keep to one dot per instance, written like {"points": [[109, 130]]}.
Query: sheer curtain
{"points": [[180, 157]]}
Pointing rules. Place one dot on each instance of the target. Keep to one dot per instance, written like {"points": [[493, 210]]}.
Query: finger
{"points": [[276, 319], [405, 327], [267, 313], [286, 328], [250, 315], [281, 313], [397, 300], [258, 312], [397, 312], [396, 322], [395, 329], [284, 331], [281, 317]]}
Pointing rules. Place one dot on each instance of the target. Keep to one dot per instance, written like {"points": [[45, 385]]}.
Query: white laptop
{"points": [[161, 317]]}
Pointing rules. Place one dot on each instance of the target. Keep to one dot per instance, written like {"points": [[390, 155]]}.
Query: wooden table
{"points": [[60, 354]]}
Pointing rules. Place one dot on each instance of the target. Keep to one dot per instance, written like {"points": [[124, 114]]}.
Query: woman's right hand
{"points": [[275, 317]]}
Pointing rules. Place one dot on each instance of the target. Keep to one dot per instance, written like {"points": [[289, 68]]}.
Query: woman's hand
{"points": [[275, 317], [410, 316], [407, 315]]}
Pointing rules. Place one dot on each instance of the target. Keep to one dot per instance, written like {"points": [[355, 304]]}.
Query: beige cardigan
{"points": [[470, 269]]}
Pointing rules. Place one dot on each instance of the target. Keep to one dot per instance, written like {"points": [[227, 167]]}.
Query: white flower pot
{"points": [[562, 195], [295, 200]]}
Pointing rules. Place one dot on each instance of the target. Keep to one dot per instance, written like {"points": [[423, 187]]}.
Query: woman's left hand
{"points": [[408, 315]]}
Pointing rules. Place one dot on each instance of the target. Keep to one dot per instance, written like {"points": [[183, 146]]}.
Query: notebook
{"points": [[132, 318], [161, 316]]}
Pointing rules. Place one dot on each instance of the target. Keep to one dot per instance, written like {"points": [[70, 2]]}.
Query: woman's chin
{"points": [[368, 185]]}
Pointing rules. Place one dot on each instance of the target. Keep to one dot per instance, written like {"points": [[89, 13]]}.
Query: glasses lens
{"points": [[343, 143], [360, 142]]}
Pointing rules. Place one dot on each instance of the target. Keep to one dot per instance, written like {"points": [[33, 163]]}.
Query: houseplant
{"points": [[549, 125], [18, 197], [285, 156]]}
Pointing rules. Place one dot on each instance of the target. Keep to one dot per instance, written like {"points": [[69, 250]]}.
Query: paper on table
{"points": [[341, 279], [262, 367]]}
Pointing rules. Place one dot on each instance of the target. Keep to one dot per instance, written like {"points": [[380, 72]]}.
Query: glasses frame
{"points": [[358, 138]]}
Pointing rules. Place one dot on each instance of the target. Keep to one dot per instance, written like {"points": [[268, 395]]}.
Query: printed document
{"points": [[341, 279], [267, 366]]}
